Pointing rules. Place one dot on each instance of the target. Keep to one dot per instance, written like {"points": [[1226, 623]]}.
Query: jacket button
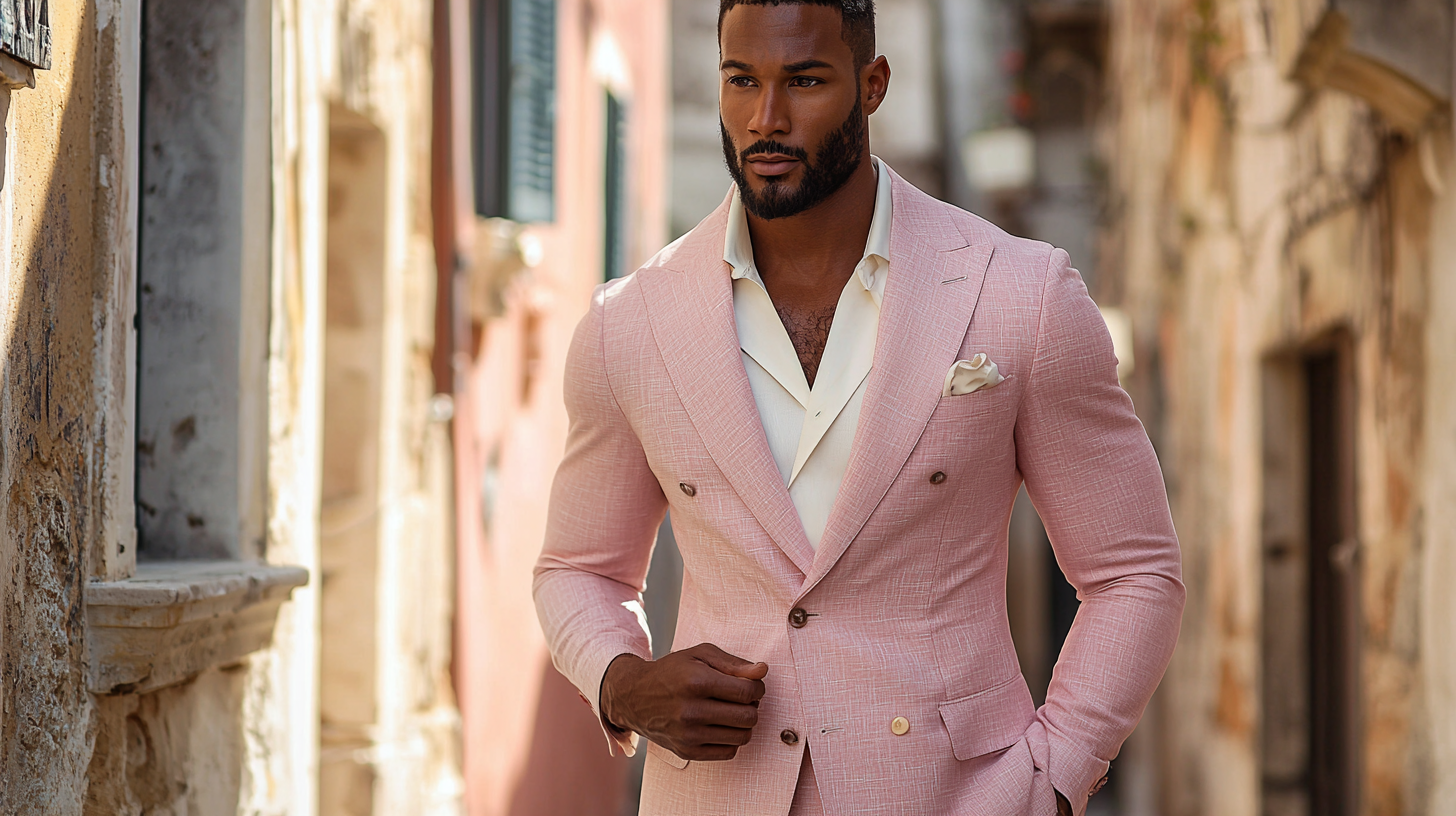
{"points": [[789, 737], [798, 618], [937, 477], [688, 489], [899, 726]]}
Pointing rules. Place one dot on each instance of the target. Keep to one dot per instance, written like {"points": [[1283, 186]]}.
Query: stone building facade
{"points": [[1280, 232], [226, 569]]}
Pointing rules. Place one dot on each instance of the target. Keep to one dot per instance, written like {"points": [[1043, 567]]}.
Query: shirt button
{"points": [[937, 477], [789, 737], [899, 726], [798, 618], [687, 489]]}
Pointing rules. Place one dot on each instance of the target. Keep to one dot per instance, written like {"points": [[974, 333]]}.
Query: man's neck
{"points": [[818, 248]]}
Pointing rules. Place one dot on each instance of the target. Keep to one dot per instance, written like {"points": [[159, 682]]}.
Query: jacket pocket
{"points": [[655, 750], [989, 720]]}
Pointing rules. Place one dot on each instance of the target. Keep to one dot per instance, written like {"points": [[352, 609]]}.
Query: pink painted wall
{"points": [[531, 747]]}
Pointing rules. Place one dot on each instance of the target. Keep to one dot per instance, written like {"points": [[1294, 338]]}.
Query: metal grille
{"points": [[25, 31]]}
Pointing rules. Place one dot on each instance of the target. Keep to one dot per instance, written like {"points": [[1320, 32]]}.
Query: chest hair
{"points": [[808, 329]]}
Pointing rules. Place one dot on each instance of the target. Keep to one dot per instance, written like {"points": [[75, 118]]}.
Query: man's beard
{"points": [[836, 160]]}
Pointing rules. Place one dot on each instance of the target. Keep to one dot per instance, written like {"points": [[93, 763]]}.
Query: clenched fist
{"points": [[700, 703]]}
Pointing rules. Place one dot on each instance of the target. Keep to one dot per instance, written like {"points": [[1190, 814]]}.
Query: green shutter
{"points": [[514, 117], [531, 120]]}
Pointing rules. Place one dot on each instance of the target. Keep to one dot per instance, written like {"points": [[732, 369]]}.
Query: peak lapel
{"points": [[934, 283], [690, 307]]}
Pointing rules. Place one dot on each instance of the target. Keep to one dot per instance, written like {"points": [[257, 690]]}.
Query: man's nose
{"points": [[771, 113]]}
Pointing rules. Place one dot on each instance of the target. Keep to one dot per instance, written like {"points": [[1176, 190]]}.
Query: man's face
{"points": [[790, 106]]}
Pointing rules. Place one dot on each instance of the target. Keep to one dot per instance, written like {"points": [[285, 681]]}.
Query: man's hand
{"points": [[700, 703]]}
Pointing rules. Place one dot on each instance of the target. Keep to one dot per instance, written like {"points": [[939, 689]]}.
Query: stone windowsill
{"points": [[175, 619]]}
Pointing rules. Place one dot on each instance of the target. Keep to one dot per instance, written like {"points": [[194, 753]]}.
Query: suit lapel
{"points": [[690, 308], [934, 283]]}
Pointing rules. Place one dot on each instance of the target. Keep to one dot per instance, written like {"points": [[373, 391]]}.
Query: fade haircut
{"points": [[857, 30]]}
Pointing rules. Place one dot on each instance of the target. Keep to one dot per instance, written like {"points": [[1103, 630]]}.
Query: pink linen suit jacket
{"points": [[907, 590]]}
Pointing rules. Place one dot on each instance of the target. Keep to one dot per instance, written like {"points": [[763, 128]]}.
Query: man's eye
{"points": [[740, 81], [804, 82]]}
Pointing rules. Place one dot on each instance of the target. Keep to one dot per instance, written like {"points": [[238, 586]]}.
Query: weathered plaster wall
{"points": [[1251, 216], [53, 454], [1438, 535], [241, 738]]}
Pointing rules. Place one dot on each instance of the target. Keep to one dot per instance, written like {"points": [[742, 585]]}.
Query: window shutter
{"points": [[25, 31], [531, 119]]}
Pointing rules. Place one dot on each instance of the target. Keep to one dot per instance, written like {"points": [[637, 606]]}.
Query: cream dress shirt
{"points": [[810, 430]]}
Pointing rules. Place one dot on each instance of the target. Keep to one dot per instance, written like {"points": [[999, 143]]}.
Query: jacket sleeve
{"points": [[1093, 476], [605, 509]]}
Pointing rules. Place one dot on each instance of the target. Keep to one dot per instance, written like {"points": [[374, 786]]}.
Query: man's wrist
{"points": [[1064, 808], [609, 699]]}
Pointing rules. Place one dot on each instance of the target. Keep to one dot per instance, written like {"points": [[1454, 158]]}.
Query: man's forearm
{"points": [[589, 621]]}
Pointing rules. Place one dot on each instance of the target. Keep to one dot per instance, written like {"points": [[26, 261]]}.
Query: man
{"points": [[837, 385]]}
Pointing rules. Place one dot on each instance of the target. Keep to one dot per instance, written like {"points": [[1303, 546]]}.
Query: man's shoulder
{"points": [[699, 247], [1008, 248], [622, 301]]}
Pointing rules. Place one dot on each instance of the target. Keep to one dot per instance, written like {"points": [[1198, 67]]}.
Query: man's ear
{"points": [[875, 82]]}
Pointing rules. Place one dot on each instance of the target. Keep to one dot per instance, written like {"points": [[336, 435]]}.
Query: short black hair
{"points": [[857, 30]]}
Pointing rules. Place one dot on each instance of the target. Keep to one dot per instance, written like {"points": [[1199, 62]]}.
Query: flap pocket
{"points": [[988, 720], [655, 750]]}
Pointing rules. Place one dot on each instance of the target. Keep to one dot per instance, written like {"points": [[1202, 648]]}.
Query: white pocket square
{"points": [[971, 375]]}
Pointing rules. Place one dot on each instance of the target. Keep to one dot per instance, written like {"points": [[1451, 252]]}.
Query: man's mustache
{"points": [[771, 147]]}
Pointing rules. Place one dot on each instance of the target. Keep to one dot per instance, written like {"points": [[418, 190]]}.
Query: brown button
{"points": [[688, 489], [798, 618], [789, 737], [899, 726], [937, 477]]}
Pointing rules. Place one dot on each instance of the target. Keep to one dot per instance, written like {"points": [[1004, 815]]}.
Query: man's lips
{"points": [[772, 164]]}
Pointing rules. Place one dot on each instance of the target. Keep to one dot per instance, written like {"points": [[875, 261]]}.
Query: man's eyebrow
{"points": [[742, 66], [804, 65]]}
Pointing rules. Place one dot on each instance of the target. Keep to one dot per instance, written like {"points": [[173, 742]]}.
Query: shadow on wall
{"points": [[48, 459], [567, 770]]}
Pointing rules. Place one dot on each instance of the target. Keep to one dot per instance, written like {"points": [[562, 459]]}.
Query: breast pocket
{"points": [[972, 429], [1000, 397]]}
